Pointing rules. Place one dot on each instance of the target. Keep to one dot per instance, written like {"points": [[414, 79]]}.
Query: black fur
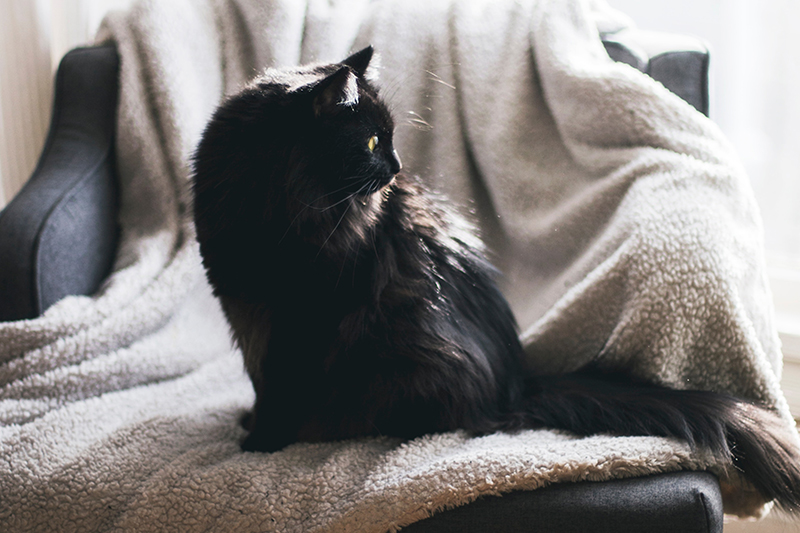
{"points": [[365, 306]]}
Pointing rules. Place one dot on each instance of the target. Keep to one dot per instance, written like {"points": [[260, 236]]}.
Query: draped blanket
{"points": [[621, 218]]}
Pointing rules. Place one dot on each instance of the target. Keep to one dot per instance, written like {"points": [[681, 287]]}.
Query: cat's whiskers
{"points": [[368, 186], [363, 171], [307, 206], [351, 195], [285, 233], [334, 229], [312, 206], [358, 250], [343, 200], [391, 85], [344, 263], [374, 186], [341, 218], [418, 122], [435, 77]]}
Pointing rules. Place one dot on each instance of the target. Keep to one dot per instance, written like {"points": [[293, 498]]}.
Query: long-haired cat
{"points": [[364, 306]]}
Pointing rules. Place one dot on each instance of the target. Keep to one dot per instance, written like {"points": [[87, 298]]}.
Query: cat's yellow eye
{"points": [[372, 143]]}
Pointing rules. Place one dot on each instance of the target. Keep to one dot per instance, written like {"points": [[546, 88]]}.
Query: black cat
{"points": [[365, 306]]}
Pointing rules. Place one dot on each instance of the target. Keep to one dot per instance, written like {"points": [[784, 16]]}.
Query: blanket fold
{"points": [[622, 221]]}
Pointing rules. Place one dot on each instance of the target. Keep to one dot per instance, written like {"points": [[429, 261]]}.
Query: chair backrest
{"points": [[58, 236], [679, 62]]}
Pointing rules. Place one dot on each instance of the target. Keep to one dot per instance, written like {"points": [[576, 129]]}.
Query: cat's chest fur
{"points": [[358, 263], [352, 288]]}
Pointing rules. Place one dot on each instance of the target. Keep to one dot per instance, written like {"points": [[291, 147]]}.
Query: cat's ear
{"points": [[360, 60], [338, 89]]}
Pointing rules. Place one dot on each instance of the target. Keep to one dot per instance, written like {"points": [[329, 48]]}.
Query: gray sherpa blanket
{"points": [[620, 216]]}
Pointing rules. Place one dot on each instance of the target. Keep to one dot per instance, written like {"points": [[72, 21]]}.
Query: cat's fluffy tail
{"points": [[753, 438]]}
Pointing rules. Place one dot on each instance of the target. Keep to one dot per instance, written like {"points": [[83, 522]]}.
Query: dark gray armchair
{"points": [[59, 237]]}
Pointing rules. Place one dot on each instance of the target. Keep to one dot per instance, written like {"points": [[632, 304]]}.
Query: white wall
{"points": [[25, 83], [34, 35], [755, 74]]}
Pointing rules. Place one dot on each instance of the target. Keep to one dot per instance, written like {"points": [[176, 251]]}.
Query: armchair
{"points": [[59, 237]]}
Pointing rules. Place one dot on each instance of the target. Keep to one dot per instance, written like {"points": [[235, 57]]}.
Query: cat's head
{"points": [[353, 127], [304, 143]]}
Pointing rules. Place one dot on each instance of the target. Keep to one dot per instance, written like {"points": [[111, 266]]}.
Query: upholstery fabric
{"points": [[59, 234], [688, 502]]}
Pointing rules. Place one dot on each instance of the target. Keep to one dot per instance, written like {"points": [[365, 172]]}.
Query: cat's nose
{"points": [[395, 163]]}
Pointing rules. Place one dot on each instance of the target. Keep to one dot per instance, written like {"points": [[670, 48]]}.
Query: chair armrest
{"points": [[58, 236], [689, 502], [679, 62]]}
